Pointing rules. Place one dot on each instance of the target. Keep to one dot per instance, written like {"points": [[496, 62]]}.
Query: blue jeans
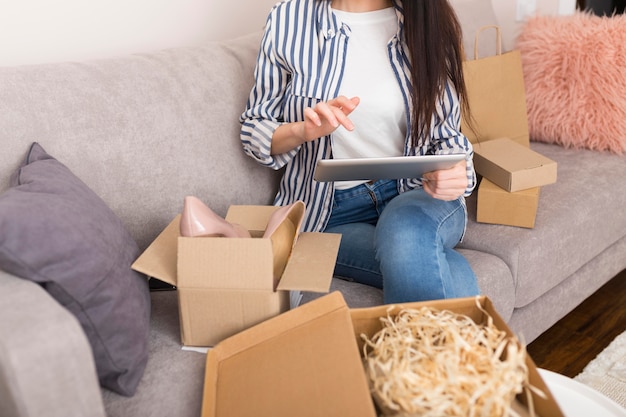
{"points": [[402, 243]]}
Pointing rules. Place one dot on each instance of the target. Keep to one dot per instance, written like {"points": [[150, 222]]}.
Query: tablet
{"points": [[393, 167]]}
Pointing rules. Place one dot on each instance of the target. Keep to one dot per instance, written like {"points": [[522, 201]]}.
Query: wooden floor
{"points": [[573, 342]]}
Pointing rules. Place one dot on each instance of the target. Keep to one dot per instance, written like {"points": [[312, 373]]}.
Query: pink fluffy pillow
{"points": [[575, 77]]}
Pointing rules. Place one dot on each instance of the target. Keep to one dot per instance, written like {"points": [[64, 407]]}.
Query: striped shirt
{"points": [[300, 63]]}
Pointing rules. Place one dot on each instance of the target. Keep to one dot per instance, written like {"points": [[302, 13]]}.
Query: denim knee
{"points": [[413, 238]]}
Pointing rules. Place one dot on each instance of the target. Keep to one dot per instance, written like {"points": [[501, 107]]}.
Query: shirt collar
{"points": [[330, 27]]}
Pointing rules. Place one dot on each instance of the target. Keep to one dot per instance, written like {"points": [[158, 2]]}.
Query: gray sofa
{"points": [[146, 130]]}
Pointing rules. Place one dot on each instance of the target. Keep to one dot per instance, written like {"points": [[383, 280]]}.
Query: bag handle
{"points": [[498, 39]]}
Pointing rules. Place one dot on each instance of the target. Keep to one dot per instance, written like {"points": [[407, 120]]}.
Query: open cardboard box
{"points": [[307, 362], [512, 166], [226, 285]]}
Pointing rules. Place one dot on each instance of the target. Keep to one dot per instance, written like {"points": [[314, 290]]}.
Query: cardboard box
{"points": [[498, 206], [226, 285], [302, 363], [307, 362], [512, 166], [367, 321]]}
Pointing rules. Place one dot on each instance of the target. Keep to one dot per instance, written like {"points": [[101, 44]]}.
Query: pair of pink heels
{"points": [[282, 229], [199, 220]]}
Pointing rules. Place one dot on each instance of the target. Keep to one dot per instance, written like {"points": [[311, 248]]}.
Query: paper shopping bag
{"points": [[496, 95]]}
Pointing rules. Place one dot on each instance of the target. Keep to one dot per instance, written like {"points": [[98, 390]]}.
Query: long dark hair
{"points": [[434, 40]]}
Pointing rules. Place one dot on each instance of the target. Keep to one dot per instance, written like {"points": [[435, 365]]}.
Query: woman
{"points": [[365, 78]]}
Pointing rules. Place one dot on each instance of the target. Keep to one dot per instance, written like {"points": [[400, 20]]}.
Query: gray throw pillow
{"points": [[57, 232]]}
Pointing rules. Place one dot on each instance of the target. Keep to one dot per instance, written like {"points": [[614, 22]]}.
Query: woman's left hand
{"points": [[446, 184]]}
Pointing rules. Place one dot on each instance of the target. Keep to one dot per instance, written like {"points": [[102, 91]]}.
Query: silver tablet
{"points": [[394, 167]]}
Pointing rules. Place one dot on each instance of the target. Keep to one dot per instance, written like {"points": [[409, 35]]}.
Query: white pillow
{"points": [[474, 14]]}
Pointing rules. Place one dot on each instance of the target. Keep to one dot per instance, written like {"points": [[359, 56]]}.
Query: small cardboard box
{"points": [[307, 362], [226, 285], [512, 166], [498, 206]]}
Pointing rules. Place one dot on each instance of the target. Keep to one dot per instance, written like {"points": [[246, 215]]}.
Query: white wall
{"points": [[506, 12], [35, 31]]}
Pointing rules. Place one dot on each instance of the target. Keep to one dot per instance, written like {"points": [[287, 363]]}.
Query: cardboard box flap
{"points": [[367, 321], [159, 259], [312, 263], [511, 155], [253, 218], [305, 363]]}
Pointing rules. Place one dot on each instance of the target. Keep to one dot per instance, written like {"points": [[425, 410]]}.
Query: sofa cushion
{"points": [[44, 356], [575, 80], [578, 218], [163, 124], [174, 378], [58, 233]]}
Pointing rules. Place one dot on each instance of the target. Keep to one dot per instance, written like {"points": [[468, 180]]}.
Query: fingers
{"points": [[336, 111], [446, 184], [442, 194], [312, 116], [333, 115], [345, 104], [325, 117]]}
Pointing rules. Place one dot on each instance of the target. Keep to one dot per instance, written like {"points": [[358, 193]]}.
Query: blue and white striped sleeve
{"points": [[446, 133], [264, 110]]}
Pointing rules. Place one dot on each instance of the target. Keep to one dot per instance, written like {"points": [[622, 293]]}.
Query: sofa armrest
{"points": [[46, 364]]}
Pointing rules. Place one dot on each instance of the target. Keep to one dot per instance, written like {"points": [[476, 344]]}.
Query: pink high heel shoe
{"points": [[294, 213], [283, 229], [199, 220]]}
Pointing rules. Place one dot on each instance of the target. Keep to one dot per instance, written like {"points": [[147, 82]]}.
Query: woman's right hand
{"points": [[321, 120], [325, 117]]}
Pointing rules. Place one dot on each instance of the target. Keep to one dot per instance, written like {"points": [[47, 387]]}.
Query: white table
{"points": [[579, 400]]}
